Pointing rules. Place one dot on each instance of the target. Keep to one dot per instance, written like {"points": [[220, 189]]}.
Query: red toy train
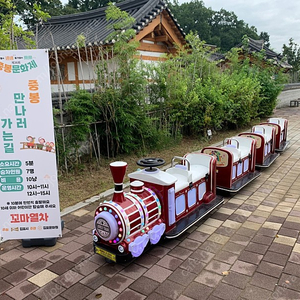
{"points": [[166, 203]]}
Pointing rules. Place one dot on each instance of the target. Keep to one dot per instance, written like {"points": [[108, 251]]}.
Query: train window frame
{"points": [[200, 190], [239, 169], [192, 197], [234, 169], [246, 165], [180, 200]]}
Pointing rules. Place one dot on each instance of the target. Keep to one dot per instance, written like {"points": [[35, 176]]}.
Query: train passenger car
{"points": [[281, 126], [265, 137], [159, 204], [235, 163]]}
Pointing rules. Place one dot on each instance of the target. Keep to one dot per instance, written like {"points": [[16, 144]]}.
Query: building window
{"points": [[53, 73]]}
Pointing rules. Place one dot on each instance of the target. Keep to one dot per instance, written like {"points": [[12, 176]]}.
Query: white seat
{"points": [[199, 159], [184, 177], [245, 145], [245, 151], [265, 131], [234, 151], [198, 172], [278, 121], [199, 165]]}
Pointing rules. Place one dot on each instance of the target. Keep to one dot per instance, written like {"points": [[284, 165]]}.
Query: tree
{"points": [[26, 9], [193, 16], [230, 29], [122, 89], [221, 28], [265, 36], [292, 53], [10, 32], [4, 9]]}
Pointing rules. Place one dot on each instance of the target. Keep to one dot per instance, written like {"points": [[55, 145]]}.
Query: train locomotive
{"points": [[164, 204], [159, 204]]}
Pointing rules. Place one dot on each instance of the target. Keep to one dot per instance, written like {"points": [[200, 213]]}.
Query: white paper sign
{"points": [[29, 200]]}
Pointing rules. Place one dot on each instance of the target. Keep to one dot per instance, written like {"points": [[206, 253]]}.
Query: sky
{"points": [[280, 19]]}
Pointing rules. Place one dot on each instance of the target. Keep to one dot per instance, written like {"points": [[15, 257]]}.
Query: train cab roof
{"points": [[155, 176]]}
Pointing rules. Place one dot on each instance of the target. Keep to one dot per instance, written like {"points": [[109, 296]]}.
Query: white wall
{"points": [[67, 88], [150, 53]]}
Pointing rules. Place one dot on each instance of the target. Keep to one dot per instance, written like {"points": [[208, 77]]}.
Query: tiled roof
{"points": [[258, 45], [216, 56], [63, 31]]}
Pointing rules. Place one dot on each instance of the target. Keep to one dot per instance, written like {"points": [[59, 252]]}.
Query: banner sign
{"points": [[29, 200]]}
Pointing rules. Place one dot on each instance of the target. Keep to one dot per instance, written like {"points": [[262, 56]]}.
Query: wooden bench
{"points": [[295, 103]]}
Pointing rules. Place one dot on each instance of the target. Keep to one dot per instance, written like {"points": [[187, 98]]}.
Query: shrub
{"points": [[270, 89]]}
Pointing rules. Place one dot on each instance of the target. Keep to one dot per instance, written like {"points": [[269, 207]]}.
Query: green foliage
{"points": [[27, 9], [71, 140], [123, 20], [180, 85], [197, 96], [193, 16], [268, 78], [82, 112], [80, 41], [81, 108], [39, 14], [121, 92], [291, 52], [265, 36], [270, 89], [120, 22], [241, 94], [10, 32], [125, 126]]}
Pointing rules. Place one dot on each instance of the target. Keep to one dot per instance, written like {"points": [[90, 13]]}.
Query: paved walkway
{"points": [[248, 249]]}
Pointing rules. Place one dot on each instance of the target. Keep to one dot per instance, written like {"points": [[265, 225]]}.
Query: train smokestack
{"points": [[118, 170]]}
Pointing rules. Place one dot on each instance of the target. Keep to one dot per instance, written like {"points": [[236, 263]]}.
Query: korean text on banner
{"points": [[29, 200]]}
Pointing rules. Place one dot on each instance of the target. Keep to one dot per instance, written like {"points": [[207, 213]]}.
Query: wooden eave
{"points": [[162, 29]]}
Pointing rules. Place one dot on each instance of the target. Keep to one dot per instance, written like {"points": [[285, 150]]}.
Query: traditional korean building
{"points": [[255, 46], [156, 30]]}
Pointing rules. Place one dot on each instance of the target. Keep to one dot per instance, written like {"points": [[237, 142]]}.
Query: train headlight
{"points": [[95, 238], [106, 226], [121, 249]]}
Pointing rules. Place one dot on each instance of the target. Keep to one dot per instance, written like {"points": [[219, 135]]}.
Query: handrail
{"points": [[231, 139], [181, 158], [264, 129]]}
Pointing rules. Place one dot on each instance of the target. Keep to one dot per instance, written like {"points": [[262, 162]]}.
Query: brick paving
{"points": [[248, 249]]}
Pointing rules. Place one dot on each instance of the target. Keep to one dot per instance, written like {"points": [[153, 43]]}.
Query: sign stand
{"points": [[29, 197], [43, 242]]}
